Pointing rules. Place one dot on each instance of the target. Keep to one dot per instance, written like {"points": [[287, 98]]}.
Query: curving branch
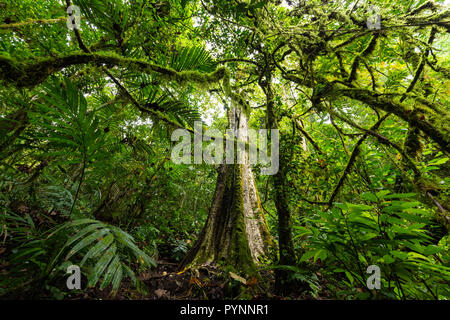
{"points": [[367, 50], [382, 139], [428, 123], [421, 65], [30, 74], [352, 159], [431, 124]]}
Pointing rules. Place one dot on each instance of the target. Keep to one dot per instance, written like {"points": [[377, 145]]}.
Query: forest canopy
{"points": [[346, 101]]}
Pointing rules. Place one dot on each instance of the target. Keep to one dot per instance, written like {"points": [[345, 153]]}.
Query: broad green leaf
{"points": [[97, 235], [98, 248], [101, 265], [369, 196]]}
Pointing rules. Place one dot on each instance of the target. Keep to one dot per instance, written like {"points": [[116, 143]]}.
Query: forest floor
{"points": [[165, 282], [205, 283]]}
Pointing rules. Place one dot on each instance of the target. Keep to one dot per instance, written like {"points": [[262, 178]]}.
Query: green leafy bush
{"points": [[108, 248], [104, 252], [390, 232]]}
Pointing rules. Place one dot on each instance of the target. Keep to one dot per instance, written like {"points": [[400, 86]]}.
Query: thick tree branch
{"points": [[434, 126], [15, 25], [29, 74], [381, 139]]}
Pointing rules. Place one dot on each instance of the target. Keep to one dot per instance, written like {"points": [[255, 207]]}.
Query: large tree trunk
{"points": [[236, 231]]}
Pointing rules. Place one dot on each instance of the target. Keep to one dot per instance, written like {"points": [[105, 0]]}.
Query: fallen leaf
{"points": [[160, 293], [238, 278], [196, 281], [253, 281], [145, 276], [23, 208]]}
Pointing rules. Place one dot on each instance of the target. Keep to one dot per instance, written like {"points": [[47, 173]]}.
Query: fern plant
{"points": [[68, 125], [109, 249], [192, 58], [110, 16], [105, 253], [28, 252]]}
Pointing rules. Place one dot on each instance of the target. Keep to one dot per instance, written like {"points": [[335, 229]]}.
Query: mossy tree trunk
{"points": [[235, 232], [285, 243]]}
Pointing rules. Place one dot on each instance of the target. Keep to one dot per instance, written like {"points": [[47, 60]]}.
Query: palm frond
{"points": [[104, 245], [111, 16], [192, 58]]}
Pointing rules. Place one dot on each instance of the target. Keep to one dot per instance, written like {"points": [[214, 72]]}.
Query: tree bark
{"points": [[235, 232], [285, 243]]}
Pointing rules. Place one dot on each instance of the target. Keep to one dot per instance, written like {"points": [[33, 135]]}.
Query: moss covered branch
{"points": [[436, 129], [434, 125], [32, 73], [352, 159], [421, 65], [367, 50], [382, 139], [15, 25]]}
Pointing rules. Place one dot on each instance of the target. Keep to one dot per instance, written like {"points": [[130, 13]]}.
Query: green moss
{"points": [[235, 97], [9, 68], [31, 73], [413, 145], [427, 122], [240, 256], [264, 226]]}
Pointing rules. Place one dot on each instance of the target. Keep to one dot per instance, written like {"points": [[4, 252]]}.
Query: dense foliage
{"points": [[86, 118]]}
